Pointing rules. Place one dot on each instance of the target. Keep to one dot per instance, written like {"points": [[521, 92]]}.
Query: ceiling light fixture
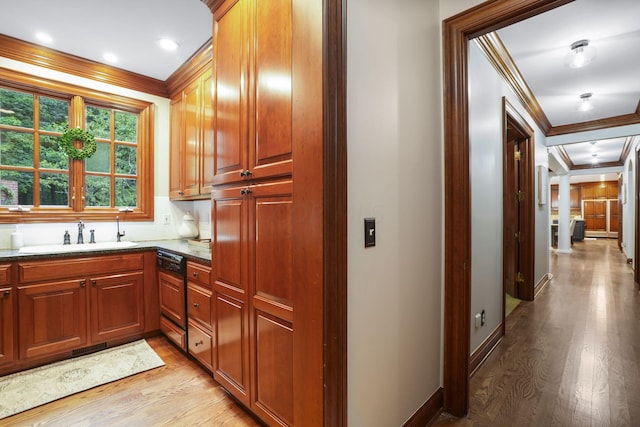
{"points": [[587, 102], [595, 158], [582, 54], [168, 44]]}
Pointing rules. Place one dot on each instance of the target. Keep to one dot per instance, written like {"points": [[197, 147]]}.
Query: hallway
{"points": [[572, 357]]}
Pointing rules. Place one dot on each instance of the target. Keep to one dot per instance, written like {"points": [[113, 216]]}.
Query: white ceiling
{"points": [[130, 29], [540, 44]]}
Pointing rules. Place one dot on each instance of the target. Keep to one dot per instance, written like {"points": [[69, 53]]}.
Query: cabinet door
{"points": [[270, 242], [52, 317], [175, 150], [230, 84], [117, 306], [270, 148], [206, 160], [172, 302], [230, 313], [6, 327], [192, 134]]}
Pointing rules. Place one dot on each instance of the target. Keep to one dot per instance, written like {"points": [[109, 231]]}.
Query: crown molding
{"points": [[492, 46], [497, 53], [41, 56], [626, 149], [212, 4], [192, 68], [565, 157], [622, 120]]}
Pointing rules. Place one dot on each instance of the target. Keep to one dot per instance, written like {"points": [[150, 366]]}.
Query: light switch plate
{"points": [[369, 232]]}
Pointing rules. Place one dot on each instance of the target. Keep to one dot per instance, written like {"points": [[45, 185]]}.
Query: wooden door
{"points": [[52, 317], [270, 148], [192, 107], [230, 82], [272, 310], [117, 306], [595, 215], [175, 150], [7, 325], [614, 216], [206, 154], [511, 206], [230, 291], [518, 198]]}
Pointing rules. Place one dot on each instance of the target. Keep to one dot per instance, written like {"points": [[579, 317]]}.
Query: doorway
{"points": [[457, 32], [518, 237]]}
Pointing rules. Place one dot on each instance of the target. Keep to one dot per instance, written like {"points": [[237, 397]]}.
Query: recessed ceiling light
{"points": [[110, 58], [44, 37], [582, 54], [168, 44]]}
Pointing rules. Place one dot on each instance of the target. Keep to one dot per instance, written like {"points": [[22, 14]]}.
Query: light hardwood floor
{"points": [[180, 393], [572, 357]]}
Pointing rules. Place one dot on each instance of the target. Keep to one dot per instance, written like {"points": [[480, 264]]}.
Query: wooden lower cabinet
{"points": [[253, 297], [52, 317], [103, 302], [199, 323], [116, 306], [6, 325]]}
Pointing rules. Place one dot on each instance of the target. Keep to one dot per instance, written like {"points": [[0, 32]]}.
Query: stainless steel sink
{"points": [[102, 246]]}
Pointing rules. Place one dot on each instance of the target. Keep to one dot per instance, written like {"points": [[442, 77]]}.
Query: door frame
{"points": [[457, 31], [527, 214]]}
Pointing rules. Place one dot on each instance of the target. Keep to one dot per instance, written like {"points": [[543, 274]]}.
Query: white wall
{"points": [[395, 175], [486, 89], [35, 234], [629, 208]]}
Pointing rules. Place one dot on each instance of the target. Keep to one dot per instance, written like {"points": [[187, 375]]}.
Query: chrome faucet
{"points": [[80, 228], [118, 234]]}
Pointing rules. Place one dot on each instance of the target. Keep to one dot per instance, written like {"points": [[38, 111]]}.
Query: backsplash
{"points": [[53, 233]]}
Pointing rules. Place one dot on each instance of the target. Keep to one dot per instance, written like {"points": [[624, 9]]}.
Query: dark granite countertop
{"points": [[191, 252]]}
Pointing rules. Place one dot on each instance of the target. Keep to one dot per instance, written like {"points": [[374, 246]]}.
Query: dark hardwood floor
{"points": [[572, 357], [180, 393]]}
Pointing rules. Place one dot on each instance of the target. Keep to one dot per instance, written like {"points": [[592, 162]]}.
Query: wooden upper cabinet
{"points": [[191, 144], [175, 149], [252, 90]]}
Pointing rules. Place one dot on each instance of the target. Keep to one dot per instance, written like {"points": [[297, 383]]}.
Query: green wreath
{"points": [[70, 136]]}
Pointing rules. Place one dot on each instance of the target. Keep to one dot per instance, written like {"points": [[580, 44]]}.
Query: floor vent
{"points": [[87, 350]]}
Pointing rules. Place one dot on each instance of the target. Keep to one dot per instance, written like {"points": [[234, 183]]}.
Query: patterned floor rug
{"points": [[35, 387]]}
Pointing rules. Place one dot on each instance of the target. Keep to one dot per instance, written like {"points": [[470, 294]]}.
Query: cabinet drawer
{"points": [[199, 304], [5, 274], [35, 271], [200, 345], [199, 274], [174, 333]]}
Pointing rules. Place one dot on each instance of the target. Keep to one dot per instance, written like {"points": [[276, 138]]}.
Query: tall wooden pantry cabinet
{"points": [[267, 207]]}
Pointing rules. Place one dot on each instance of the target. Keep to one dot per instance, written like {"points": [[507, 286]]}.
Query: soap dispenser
{"points": [[188, 229]]}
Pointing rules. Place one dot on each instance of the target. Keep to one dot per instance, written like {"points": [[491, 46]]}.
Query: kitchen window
{"points": [[39, 182]]}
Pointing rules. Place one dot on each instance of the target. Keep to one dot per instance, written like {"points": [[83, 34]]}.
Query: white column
{"points": [[564, 214]]}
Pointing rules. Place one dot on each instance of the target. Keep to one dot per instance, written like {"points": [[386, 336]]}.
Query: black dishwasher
{"points": [[172, 295]]}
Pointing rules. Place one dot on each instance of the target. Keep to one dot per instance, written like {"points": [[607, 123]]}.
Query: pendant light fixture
{"points": [[581, 55]]}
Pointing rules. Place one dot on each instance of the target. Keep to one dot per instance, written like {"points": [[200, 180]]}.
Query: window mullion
{"points": [[76, 167]]}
